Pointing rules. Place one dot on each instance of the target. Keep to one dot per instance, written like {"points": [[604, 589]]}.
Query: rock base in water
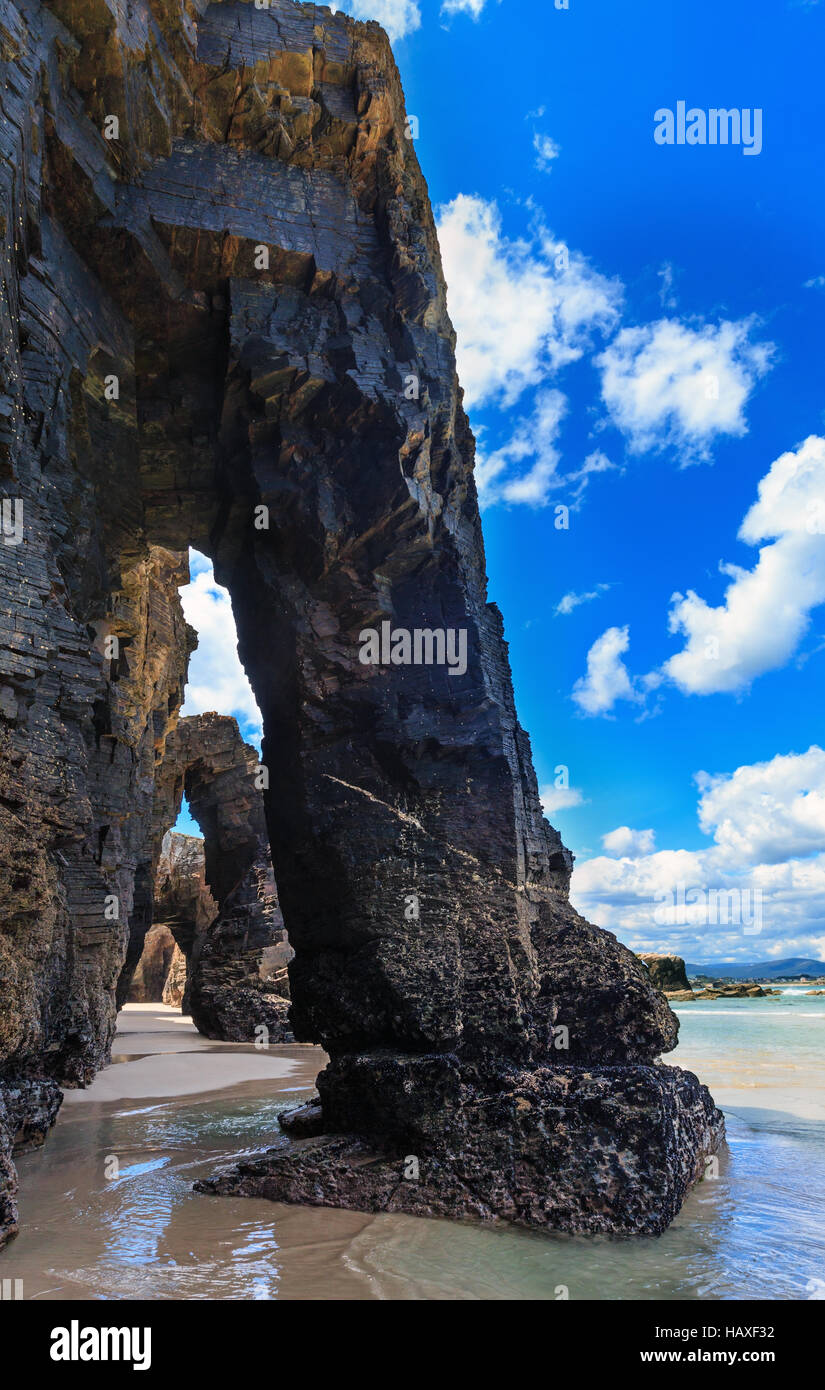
{"points": [[305, 1122], [667, 973], [608, 1150], [28, 1109], [245, 1010]]}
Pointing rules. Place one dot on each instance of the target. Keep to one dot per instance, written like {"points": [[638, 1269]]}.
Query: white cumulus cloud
{"points": [[767, 812], [398, 17], [217, 680], [670, 383], [518, 315], [757, 890], [525, 469], [607, 679], [546, 151], [555, 798], [522, 309], [572, 600], [470, 7], [624, 841], [766, 611]]}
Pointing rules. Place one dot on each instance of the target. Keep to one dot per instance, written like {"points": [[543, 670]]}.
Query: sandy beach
{"points": [[174, 1107], [158, 1053]]}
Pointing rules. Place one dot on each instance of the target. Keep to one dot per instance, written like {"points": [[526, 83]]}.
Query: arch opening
{"points": [[216, 945]]}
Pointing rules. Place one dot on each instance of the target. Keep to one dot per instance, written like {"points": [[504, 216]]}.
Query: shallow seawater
{"points": [[756, 1231]]}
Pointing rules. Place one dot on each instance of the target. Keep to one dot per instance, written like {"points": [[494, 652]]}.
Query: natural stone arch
{"points": [[184, 905], [236, 961], [278, 382]]}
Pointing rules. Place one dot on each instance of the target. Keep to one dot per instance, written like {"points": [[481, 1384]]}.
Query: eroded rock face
{"points": [[572, 1174], [183, 908], [28, 1109], [79, 738], [174, 986], [218, 895], [252, 260], [215, 899], [149, 980], [667, 973], [183, 902]]}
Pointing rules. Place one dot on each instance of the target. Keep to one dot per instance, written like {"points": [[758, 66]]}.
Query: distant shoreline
{"points": [[764, 982], [702, 989]]}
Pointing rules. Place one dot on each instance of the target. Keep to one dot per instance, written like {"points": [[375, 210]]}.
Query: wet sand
{"points": [[108, 1211], [158, 1053]]}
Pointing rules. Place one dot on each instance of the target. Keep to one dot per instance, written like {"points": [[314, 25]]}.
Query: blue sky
{"points": [[639, 337]]}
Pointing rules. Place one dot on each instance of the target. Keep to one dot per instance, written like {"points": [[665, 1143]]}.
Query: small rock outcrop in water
{"points": [[667, 973], [227, 328], [726, 989]]}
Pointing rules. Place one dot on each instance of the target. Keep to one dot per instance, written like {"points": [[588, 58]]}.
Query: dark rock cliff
{"points": [[224, 324]]}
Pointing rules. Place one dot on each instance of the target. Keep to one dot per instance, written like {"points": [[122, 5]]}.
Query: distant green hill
{"points": [[761, 969]]}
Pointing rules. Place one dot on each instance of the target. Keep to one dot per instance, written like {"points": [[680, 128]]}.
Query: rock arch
{"points": [[215, 315], [237, 956]]}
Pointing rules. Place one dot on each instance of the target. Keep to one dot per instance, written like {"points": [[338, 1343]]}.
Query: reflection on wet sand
{"points": [[108, 1211]]}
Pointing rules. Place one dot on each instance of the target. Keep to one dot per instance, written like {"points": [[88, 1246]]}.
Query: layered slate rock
{"points": [[250, 256], [183, 904], [217, 895], [153, 968], [79, 736]]}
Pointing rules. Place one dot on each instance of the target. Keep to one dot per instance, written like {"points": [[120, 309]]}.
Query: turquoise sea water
{"points": [[756, 1231], [758, 1042]]}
